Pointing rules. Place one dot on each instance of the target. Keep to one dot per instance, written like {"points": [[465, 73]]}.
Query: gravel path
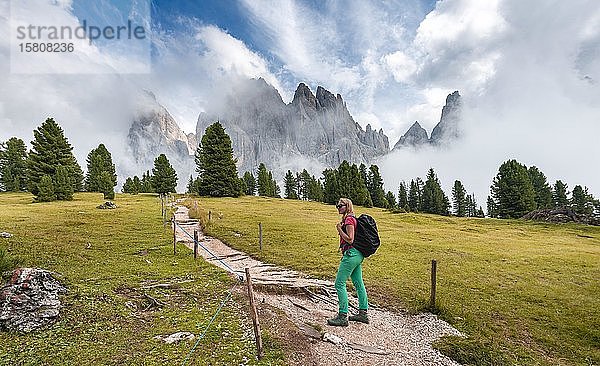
{"points": [[392, 338]]}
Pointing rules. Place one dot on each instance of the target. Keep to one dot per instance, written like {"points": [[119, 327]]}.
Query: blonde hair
{"points": [[349, 207]]}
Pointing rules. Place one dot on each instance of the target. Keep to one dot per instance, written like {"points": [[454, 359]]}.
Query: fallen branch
{"points": [[298, 305]]}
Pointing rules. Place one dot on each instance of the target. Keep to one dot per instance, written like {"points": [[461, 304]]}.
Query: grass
{"points": [[105, 257], [525, 293]]}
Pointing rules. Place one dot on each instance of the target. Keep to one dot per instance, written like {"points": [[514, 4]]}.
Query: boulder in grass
{"points": [[108, 205], [5, 235], [30, 300]]}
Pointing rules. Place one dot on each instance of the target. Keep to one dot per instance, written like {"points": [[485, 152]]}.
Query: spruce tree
{"points": [[136, 187], [391, 200], [581, 201], [190, 186], [403, 197], [216, 165], [543, 192], [359, 193], [331, 193], [491, 208], [106, 185], [290, 186], [250, 184], [414, 197], [164, 177], [315, 189], [50, 149], [303, 183], [264, 183], [512, 190], [375, 187], [45, 190], [63, 186], [128, 186], [559, 194], [98, 161], [435, 200], [13, 165], [459, 200]]}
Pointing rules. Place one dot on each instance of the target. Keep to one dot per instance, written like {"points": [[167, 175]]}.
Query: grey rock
{"points": [[30, 300], [108, 205], [415, 136], [5, 235], [448, 128], [315, 127]]}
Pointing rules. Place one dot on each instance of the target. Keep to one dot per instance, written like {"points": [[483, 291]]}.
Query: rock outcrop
{"points": [[30, 300], [317, 127], [153, 132]]}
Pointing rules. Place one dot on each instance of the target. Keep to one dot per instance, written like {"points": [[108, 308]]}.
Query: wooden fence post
{"points": [[209, 215], [195, 244], [433, 283], [260, 235], [254, 315], [174, 236]]}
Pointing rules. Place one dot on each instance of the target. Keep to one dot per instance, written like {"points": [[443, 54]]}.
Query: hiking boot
{"points": [[341, 320], [360, 317]]}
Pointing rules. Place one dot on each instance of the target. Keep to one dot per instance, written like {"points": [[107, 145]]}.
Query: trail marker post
{"points": [[254, 315]]}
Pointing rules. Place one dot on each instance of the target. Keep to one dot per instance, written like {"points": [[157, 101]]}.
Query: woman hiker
{"points": [[350, 267]]}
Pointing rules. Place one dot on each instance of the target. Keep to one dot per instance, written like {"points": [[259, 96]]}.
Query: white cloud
{"points": [[400, 65]]}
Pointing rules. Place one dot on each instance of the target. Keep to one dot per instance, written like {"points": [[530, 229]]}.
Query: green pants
{"points": [[351, 267]]}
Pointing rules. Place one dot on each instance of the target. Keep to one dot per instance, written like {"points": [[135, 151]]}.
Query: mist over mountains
{"points": [[313, 131]]}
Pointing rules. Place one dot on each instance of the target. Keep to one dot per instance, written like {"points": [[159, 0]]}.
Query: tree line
{"points": [[51, 172]]}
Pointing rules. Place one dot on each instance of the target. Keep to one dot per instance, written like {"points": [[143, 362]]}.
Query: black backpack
{"points": [[366, 237]]}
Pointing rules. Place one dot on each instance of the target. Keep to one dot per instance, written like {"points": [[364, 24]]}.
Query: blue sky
{"points": [[530, 80]]}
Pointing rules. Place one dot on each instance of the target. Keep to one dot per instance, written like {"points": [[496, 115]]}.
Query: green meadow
{"points": [[109, 260], [524, 293]]}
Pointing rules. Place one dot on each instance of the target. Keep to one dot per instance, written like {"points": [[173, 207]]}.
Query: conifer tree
{"points": [[98, 161], [290, 186], [541, 188], [63, 186], [331, 193], [136, 187], [491, 208], [13, 165], [190, 186], [512, 190], [164, 177], [50, 149], [391, 200], [45, 190], [106, 185], [414, 197], [459, 200], [581, 201], [358, 191], [303, 183], [375, 187], [559, 194], [315, 189], [250, 184], [403, 197], [435, 200], [264, 183], [216, 165], [127, 186], [146, 183]]}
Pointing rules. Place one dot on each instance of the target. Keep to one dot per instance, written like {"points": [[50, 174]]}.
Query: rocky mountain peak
{"points": [[415, 136], [448, 127]]}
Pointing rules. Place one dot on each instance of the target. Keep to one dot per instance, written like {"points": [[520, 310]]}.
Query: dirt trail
{"points": [[392, 338]]}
